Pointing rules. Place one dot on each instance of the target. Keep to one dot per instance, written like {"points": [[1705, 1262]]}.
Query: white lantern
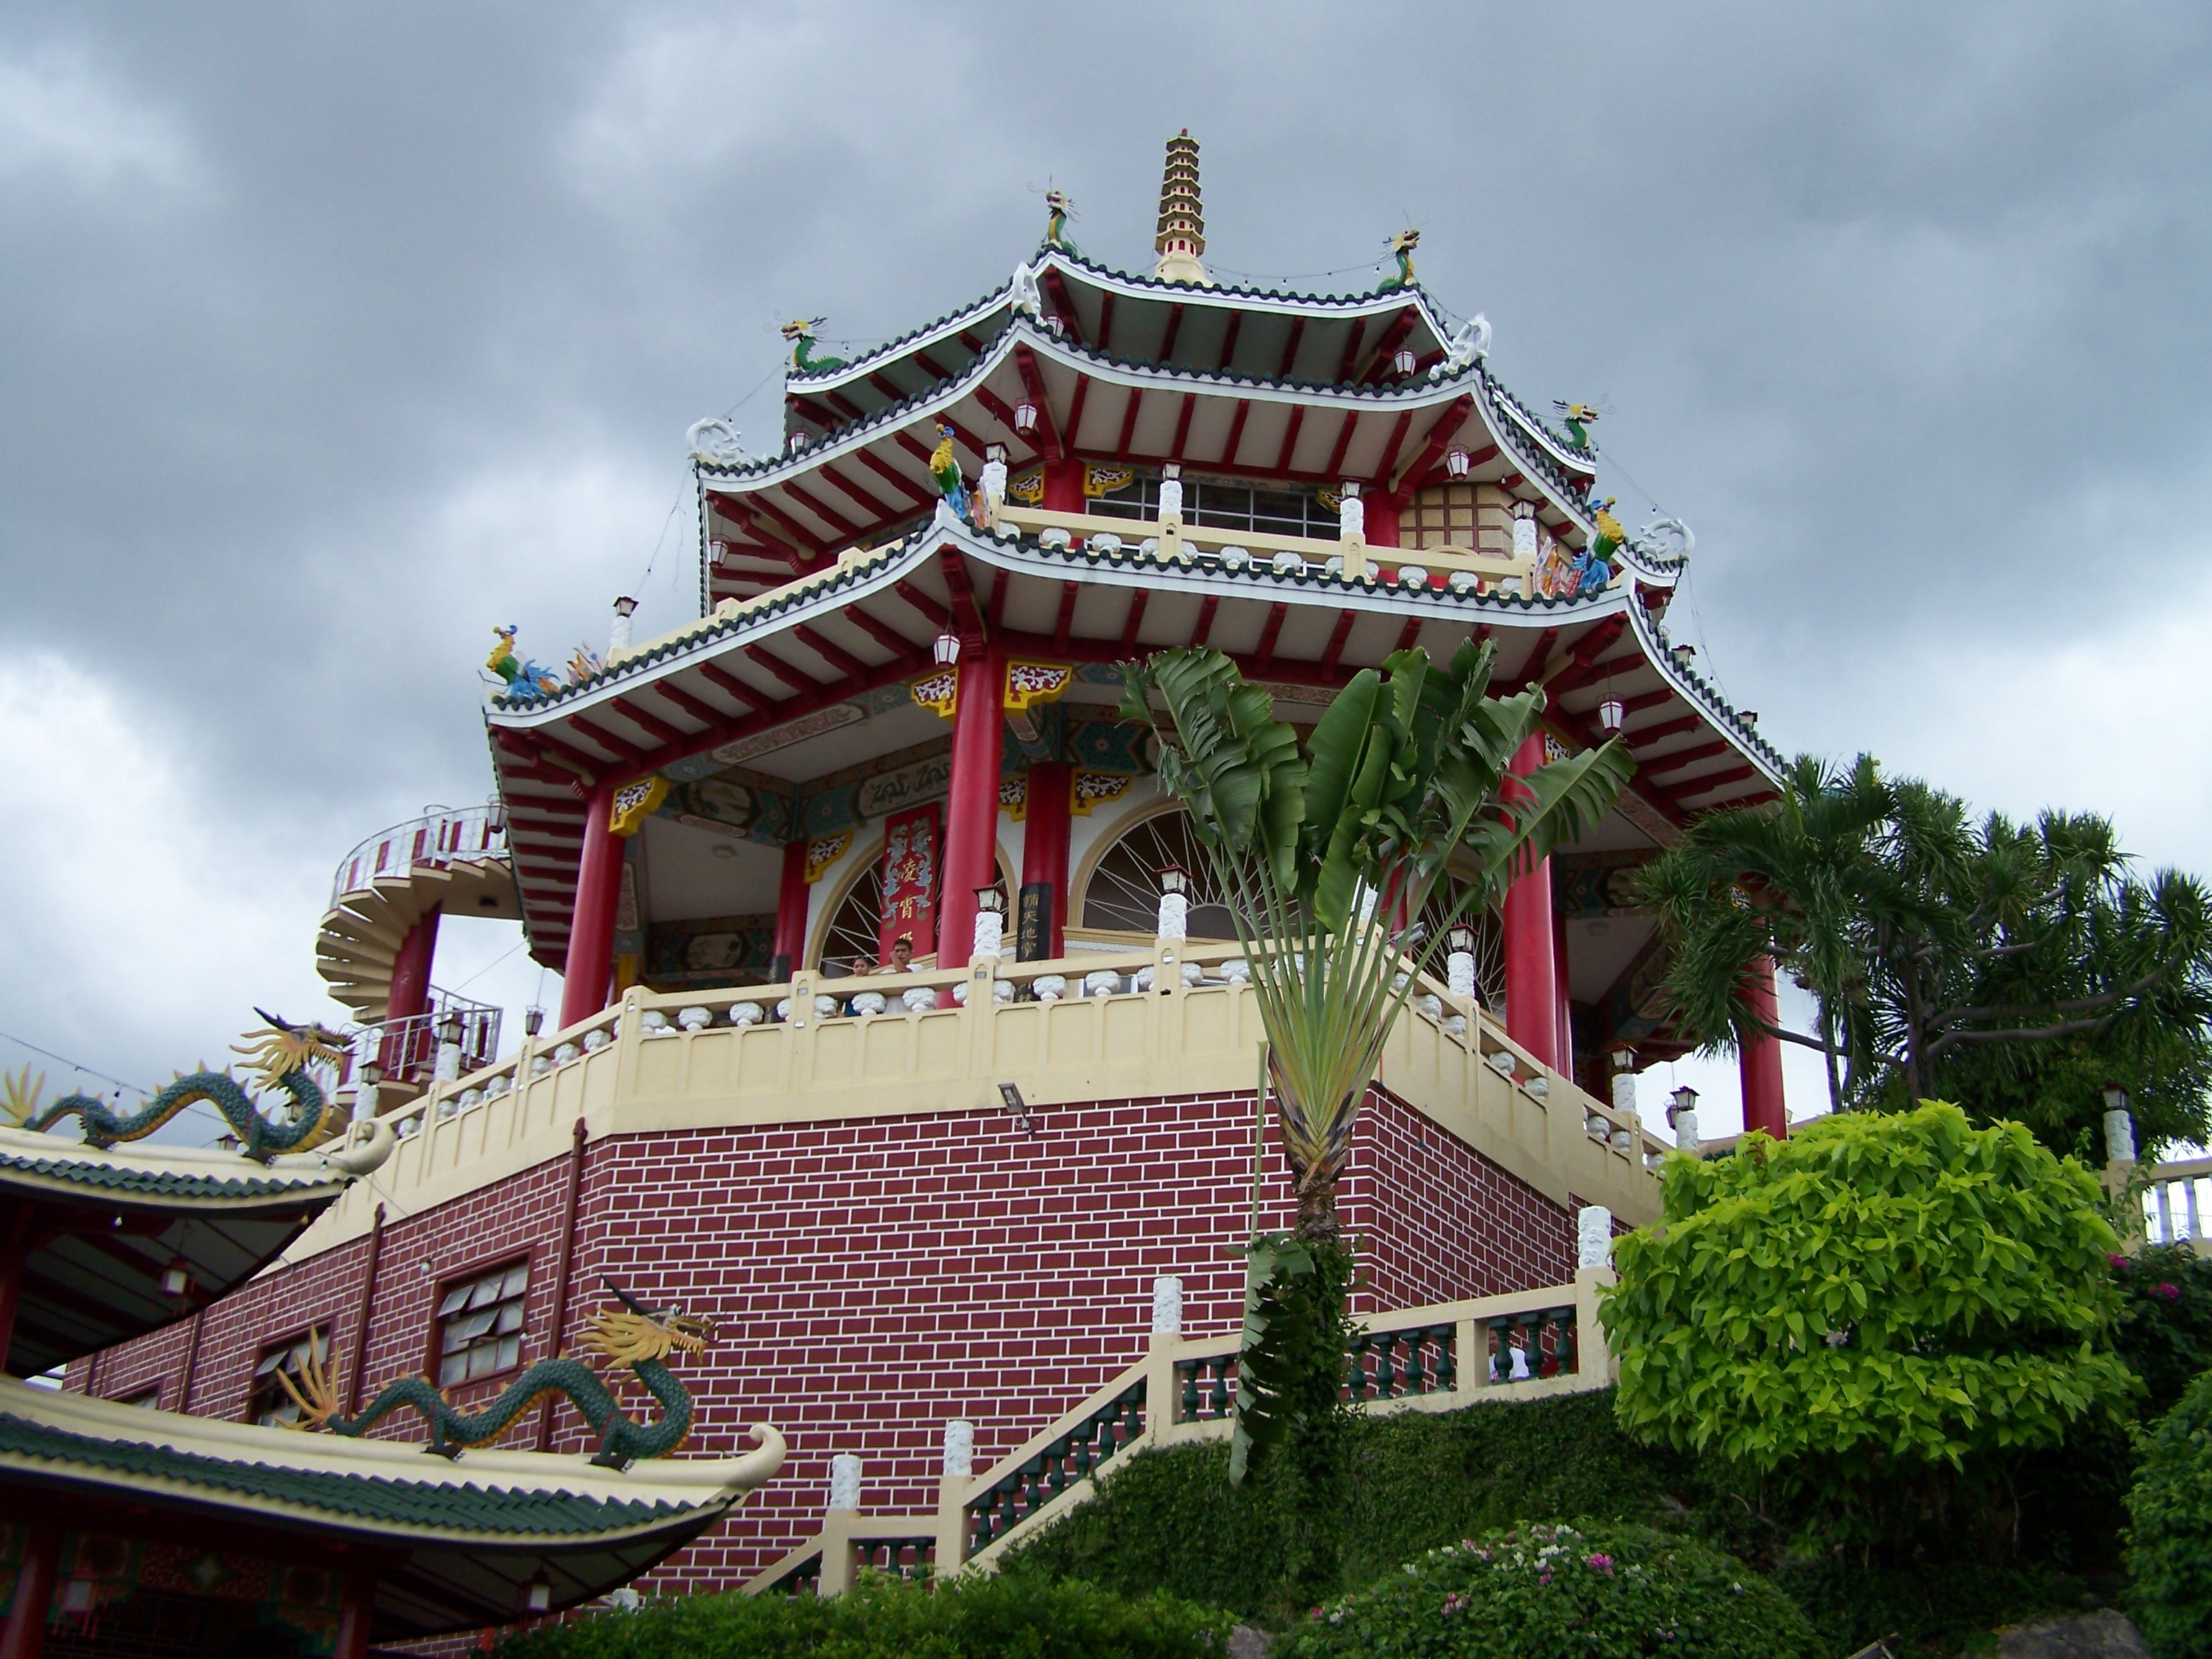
{"points": [[1611, 715], [1457, 462], [1025, 417]]}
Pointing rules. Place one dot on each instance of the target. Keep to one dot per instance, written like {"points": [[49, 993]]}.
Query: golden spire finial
{"points": [[1182, 216]]}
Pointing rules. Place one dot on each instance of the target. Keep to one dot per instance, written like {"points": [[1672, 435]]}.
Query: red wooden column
{"points": [[1063, 486], [592, 931], [356, 1612], [1383, 509], [1758, 1061], [1044, 856], [411, 969], [789, 949], [25, 1633], [1532, 981], [971, 815]]}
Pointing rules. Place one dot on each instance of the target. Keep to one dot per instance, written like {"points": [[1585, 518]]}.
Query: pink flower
{"points": [[1453, 1603], [2120, 1261], [1599, 1564], [2171, 1293]]}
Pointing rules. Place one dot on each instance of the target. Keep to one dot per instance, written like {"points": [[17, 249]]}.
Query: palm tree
{"points": [[1317, 848]]}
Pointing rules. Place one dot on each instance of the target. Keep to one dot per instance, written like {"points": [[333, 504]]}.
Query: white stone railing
{"points": [[2171, 1214], [1173, 1019]]}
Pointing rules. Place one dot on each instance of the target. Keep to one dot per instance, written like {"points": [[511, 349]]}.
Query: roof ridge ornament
{"points": [[799, 331], [1469, 344], [1181, 236], [1402, 249], [1058, 210]]}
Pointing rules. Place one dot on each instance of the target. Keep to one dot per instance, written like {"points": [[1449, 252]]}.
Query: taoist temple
{"points": [[901, 1037]]}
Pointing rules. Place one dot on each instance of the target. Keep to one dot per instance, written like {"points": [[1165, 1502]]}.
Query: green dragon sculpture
{"points": [[1402, 249], [799, 331], [637, 1336], [1057, 208], [282, 1053]]}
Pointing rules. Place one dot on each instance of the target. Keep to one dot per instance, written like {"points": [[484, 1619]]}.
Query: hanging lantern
{"points": [[1406, 362], [1611, 715], [538, 1598], [533, 1021], [1457, 463], [1025, 417], [947, 650], [176, 1278]]}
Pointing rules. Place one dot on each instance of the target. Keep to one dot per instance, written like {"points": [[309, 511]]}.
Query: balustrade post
{"points": [[1593, 1267], [1471, 1365], [1160, 1386], [952, 1496], [837, 1523]]}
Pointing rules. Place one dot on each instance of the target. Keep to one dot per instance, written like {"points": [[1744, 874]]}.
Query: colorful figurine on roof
{"points": [[524, 681], [1579, 418], [1057, 208], [640, 1337], [283, 1053], [945, 469], [1402, 249], [799, 331]]}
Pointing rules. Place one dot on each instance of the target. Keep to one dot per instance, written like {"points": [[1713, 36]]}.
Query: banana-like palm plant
{"points": [[1317, 848]]}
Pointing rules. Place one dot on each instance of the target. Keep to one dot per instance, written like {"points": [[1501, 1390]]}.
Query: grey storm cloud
{"points": [[337, 335]]}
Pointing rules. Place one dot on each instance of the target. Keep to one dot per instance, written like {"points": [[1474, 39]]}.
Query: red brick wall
{"points": [[871, 1278]]}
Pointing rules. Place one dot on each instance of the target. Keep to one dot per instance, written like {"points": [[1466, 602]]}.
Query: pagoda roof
{"points": [[860, 469], [109, 1221], [758, 681], [461, 1539]]}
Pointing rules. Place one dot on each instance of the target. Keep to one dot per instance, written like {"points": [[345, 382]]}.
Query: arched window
{"points": [[1489, 939], [854, 930], [1122, 895]]}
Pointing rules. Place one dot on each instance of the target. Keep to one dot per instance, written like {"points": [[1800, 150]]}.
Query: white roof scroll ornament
{"points": [[1648, 539], [1027, 295], [716, 441], [1469, 344]]}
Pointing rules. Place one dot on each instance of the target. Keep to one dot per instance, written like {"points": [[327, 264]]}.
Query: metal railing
{"points": [[407, 1048], [442, 836]]}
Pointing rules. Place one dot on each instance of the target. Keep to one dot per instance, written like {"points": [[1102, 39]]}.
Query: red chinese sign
{"points": [[910, 843]]}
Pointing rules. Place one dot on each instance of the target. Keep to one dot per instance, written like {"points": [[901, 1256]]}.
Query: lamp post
{"points": [[2120, 1127], [448, 1068], [1682, 1117], [1459, 960], [990, 921], [1175, 903], [364, 1095]]}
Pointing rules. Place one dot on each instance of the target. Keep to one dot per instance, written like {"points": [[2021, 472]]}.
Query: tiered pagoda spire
{"points": [[1182, 216]]}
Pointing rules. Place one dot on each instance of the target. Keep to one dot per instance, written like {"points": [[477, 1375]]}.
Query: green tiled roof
{"points": [[420, 1507], [91, 1168]]}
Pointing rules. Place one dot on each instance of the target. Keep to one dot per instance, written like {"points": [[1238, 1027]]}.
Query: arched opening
{"points": [[852, 932], [1123, 893]]}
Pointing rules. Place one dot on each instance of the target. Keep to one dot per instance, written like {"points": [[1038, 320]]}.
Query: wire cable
{"points": [[64, 1059]]}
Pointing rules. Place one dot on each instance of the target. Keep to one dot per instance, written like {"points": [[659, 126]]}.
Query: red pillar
{"points": [[1759, 1060], [1381, 518], [1532, 982], [1565, 1003], [971, 815], [1044, 852], [25, 1633], [592, 931], [1063, 487], [356, 1612], [410, 968], [790, 947]]}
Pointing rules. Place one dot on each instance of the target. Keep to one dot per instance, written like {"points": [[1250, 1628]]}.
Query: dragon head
{"points": [[802, 328], [1406, 241], [637, 1333], [281, 1048]]}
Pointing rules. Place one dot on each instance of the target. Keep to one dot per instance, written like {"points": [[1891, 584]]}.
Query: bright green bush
{"points": [[1549, 1592], [1170, 1519], [2170, 1552], [1875, 1293], [968, 1618]]}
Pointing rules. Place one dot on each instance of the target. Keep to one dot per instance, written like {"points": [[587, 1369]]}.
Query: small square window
{"points": [[480, 1324], [271, 1403]]}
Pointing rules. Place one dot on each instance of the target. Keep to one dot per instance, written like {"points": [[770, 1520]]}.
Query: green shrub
{"points": [[2170, 1551], [1170, 1520], [2165, 1330], [883, 1619], [1872, 1297], [1548, 1592]]}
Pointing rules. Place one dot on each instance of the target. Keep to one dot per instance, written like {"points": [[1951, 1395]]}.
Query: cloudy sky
{"points": [[334, 336]]}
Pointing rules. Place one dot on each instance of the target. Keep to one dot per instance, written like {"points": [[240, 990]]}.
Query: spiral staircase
{"points": [[455, 860]]}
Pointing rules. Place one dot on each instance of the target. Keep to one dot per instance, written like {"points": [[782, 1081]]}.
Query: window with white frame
{"points": [[272, 1403], [480, 1324]]}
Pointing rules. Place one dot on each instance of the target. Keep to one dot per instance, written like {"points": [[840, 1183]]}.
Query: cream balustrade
{"points": [[1436, 1358], [1173, 1019], [1176, 541]]}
